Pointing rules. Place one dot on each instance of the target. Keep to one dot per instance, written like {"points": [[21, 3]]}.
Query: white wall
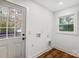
{"points": [[39, 20], [65, 42]]}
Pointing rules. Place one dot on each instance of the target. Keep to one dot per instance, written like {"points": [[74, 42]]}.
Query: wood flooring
{"points": [[54, 53]]}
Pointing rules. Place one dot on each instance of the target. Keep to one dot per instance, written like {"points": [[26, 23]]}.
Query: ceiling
{"points": [[54, 5]]}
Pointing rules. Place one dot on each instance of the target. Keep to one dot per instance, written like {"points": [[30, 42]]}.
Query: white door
{"points": [[16, 48], [12, 31]]}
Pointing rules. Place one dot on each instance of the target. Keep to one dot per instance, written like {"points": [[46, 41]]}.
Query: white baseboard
{"points": [[38, 54], [71, 53]]}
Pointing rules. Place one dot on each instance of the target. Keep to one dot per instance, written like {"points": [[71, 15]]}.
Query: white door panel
{"points": [[16, 48], [3, 51], [11, 51]]}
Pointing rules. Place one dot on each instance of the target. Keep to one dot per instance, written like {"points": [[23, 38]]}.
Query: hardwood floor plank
{"points": [[54, 53]]}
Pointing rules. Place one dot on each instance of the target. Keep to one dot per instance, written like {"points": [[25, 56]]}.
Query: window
{"points": [[10, 22], [66, 23]]}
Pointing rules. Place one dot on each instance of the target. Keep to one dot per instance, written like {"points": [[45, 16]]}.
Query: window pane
{"points": [[11, 21], [3, 21], [66, 23], [10, 32], [4, 16], [2, 32], [18, 22], [0, 17]]}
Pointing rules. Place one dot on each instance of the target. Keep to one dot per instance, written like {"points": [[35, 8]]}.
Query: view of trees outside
{"points": [[18, 22], [66, 23], [3, 19], [10, 20]]}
